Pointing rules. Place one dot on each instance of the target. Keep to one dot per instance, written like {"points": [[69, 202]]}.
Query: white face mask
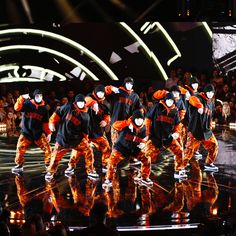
{"points": [[100, 94], [80, 104], [210, 94], [138, 121], [38, 98], [129, 86], [175, 94], [195, 86], [169, 102]]}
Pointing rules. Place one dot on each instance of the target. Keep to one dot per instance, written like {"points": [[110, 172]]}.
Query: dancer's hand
{"points": [[103, 123], [200, 111], [52, 127], [26, 96], [115, 89], [141, 145], [131, 127], [187, 95], [175, 136], [95, 108], [49, 137]]}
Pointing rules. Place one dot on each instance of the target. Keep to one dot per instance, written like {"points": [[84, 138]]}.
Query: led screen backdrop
{"points": [[224, 46]]}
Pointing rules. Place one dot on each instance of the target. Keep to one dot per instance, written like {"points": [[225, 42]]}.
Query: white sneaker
{"points": [[69, 171], [211, 167], [104, 170], [138, 177], [18, 168], [180, 175], [93, 174], [49, 176], [107, 184], [134, 162], [147, 182], [197, 156]]}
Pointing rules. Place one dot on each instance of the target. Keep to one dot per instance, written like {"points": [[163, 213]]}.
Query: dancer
{"points": [[163, 125], [131, 142], [199, 128], [73, 131], [34, 128], [179, 102], [191, 90], [99, 119], [123, 103]]}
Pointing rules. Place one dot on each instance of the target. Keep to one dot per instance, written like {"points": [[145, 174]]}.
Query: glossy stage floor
{"points": [[203, 200]]}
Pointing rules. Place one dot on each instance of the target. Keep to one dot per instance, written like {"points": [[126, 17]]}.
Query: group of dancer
{"points": [[179, 120]]}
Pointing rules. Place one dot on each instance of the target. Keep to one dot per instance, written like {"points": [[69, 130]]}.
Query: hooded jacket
{"points": [[73, 125], [162, 122], [128, 139], [103, 114], [34, 118], [123, 103], [200, 125]]}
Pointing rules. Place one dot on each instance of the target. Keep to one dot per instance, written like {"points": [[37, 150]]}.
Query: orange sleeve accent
{"points": [[177, 128], [19, 103], [120, 124], [183, 90], [108, 89], [182, 114], [107, 118], [89, 101], [148, 125], [159, 94], [46, 128], [194, 101], [54, 119]]}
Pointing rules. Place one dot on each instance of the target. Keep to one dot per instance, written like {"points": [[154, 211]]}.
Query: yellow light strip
{"points": [[144, 26], [65, 40], [146, 49], [169, 39], [172, 43], [207, 28], [53, 52], [8, 67]]}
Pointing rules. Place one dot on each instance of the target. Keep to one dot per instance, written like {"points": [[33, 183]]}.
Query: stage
{"points": [[205, 202]]}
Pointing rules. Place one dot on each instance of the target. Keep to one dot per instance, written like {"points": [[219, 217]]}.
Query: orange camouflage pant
{"points": [[116, 157], [23, 144], [152, 152], [211, 145], [83, 149], [103, 146]]}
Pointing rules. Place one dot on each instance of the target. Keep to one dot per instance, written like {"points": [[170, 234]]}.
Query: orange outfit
{"points": [[23, 144]]}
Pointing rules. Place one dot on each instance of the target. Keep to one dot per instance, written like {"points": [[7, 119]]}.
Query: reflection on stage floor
{"points": [[169, 203]]}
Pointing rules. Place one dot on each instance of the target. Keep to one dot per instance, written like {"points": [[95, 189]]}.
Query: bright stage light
{"points": [[146, 49], [53, 52], [65, 40], [167, 36]]}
